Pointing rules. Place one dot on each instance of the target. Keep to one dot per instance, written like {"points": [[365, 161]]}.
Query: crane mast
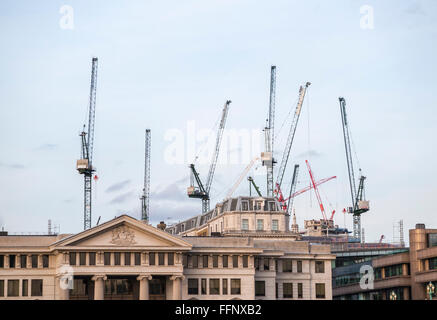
{"points": [[293, 188], [293, 127], [202, 191], [145, 198], [269, 132], [85, 165], [359, 205]]}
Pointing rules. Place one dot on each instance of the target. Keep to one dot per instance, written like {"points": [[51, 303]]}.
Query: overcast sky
{"points": [[166, 65]]}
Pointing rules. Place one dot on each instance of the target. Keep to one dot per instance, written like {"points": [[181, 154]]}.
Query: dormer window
{"points": [[244, 205], [258, 205], [272, 206]]}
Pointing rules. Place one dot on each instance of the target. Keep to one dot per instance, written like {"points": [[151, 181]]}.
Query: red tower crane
{"points": [[316, 191]]}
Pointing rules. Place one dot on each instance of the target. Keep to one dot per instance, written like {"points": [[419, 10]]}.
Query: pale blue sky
{"points": [[163, 63]]}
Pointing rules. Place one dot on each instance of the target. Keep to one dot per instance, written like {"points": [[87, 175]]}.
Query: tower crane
{"points": [[359, 204], [145, 198], [286, 154], [316, 191], [85, 164], [267, 156], [202, 191]]}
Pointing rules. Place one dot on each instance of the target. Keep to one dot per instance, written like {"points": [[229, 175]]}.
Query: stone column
{"points": [[62, 292], [99, 286], [144, 286], [177, 286]]}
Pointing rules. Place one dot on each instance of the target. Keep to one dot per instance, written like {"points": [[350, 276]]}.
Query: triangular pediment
{"points": [[124, 231]]}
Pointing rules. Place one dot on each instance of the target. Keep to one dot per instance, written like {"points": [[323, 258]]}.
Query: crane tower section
{"points": [[145, 198], [85, 164]]}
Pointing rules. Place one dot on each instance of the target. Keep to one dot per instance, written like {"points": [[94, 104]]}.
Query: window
{"points": [[245, 261], [137, 258], [205, 262], [92, 258], [320, 290], [225, 286], [320, 267], [117, 258], [235, 261], [287, 289], [127, 258], [299, 266], [259, 224], [2, 261], [215, 261], [225, 261], [203, 289], [244, 205], [260, 288], [185, 261], [195, 261], [287, 265], [193, 286], [25, 288], [433, 264], [2, 288], [266, 264], [82, 258], [45, 261], [258, 205], [107, 258], [12, 261], [245, 224], [72, 260], [161, 258], [393, 271], [152, 258], [275, 226], [34, 259], [300, 290], [272, 206], [13, 288], [214, 286], [235, 286], [432, 240], [256, 263], [170, 259], [23, 261]]}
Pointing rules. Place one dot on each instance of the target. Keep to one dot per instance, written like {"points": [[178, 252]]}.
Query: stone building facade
{"points": [[125, 258]]}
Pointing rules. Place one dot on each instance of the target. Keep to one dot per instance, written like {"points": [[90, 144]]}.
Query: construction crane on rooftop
{"points": [[85, 164], [145, 198], [359, 204], [316, 191], [269, 132], [202, 191], [286, 154], [252, 183]]}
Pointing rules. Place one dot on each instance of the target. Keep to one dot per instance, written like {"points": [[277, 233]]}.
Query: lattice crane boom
{"points": [[291, 134], [316, 191]]}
